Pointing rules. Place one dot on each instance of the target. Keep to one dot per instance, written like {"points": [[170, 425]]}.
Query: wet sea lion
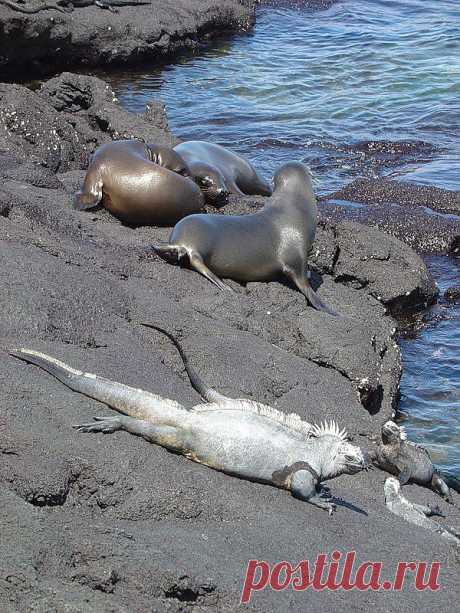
{"points": [[141, 184], [220, 172], [258, 247]]}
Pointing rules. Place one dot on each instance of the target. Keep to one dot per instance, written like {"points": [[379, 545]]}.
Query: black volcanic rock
{"points": [[114, 524], [49, 40]]}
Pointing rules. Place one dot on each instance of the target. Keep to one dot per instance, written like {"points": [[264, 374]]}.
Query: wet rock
{"points": [[380, 191], [452, 294], [426, 218], [49, 40]]}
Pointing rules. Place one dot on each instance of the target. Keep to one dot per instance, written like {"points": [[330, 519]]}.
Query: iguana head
{"points": [[391, 489], [392, 433], [339, 456]]}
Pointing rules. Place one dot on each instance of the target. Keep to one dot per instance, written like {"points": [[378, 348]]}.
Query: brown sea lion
{"points": [[220, 172], [141, 184], [262, 246]]}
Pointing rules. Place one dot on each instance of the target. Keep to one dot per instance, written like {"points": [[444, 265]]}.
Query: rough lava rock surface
{"points": [[49, 40], [425, 217], [111, 523]]}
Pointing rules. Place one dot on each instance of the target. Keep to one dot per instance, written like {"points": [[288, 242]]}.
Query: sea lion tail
{"points": [[206, 392]]}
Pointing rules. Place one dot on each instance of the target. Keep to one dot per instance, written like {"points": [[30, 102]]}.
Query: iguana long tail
{"points": [[125, 399], [206, 392]]}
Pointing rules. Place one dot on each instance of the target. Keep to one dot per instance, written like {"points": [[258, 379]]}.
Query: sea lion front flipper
{"points": [[303, 285], [83, 201], [196, 262]]}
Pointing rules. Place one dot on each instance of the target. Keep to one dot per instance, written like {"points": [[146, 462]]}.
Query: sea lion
{"points": [[220, 172], [258, 247], [141, 184]]}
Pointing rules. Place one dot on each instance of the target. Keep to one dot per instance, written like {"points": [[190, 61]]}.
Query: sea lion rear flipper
{"points": [[303, 284], [169, 252]]}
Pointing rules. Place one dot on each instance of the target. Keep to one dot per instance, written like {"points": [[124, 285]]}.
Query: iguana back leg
{"points": [[167, 436]]}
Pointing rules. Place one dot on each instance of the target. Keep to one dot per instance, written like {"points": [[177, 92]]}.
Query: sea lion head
{"points": [[211, 182], [293, 176], [168, 158]]}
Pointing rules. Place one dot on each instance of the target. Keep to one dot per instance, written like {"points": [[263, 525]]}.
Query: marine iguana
{"points": [[408, 461], [415, 513], [67, 6], [239, 437]]}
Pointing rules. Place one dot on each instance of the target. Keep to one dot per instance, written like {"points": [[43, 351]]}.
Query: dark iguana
{"points": [[239, 437], [415, 513], [408, 461]]}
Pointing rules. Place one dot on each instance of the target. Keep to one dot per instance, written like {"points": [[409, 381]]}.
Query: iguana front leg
{"points": [[166, 436], [428, 510], [405, 472], [304, 487], [103, 4]]}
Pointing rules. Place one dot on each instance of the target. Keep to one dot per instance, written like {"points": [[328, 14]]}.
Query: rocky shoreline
{"points": [[113, 523], [48, 41]]}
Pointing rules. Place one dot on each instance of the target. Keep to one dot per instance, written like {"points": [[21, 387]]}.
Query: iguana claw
{"points": [[435, 510], [107, 425]]}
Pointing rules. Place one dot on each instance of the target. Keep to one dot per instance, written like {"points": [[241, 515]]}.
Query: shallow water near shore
{"points": [[321, 87]]}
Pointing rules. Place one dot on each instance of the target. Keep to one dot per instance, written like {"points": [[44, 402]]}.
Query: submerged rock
{"points": [[426, 218], [452, 294]]}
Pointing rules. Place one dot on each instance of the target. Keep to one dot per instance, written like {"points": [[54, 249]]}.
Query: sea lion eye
{"points": [[205, 181]]}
